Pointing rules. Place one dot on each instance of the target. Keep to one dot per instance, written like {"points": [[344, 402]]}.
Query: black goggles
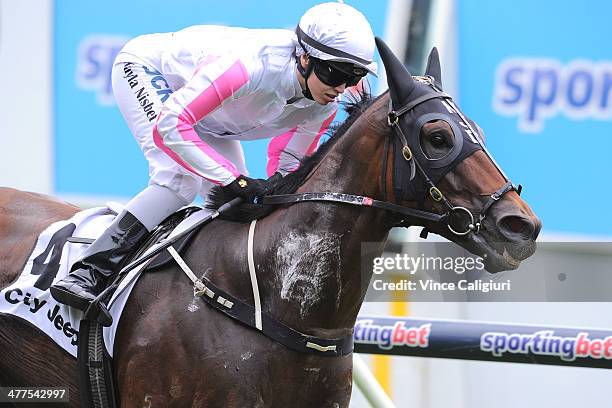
{"points": [[337, 73]]}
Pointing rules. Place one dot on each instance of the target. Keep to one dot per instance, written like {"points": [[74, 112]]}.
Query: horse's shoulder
{"points": [[23, 216]]}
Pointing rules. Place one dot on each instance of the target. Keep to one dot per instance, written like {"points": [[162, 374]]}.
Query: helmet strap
{"points": [[305, 72]]}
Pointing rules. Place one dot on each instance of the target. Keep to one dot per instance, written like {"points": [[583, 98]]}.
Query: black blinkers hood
{"points": [[409, 184]]}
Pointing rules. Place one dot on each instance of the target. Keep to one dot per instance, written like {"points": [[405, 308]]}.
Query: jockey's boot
{"points": [[99, 263]]}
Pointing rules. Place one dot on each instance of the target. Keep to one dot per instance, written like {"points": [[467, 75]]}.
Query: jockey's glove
{"points": [[248, 188]]}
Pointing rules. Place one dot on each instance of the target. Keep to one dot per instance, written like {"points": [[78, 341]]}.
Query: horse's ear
{"points": [[399, 79], [433, 67]]}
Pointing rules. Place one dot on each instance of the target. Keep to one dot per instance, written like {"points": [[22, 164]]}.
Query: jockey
{"points": [[190, 96]]}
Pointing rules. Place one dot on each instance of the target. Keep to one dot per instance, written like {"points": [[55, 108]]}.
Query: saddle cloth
{"points": [[29, 298]]}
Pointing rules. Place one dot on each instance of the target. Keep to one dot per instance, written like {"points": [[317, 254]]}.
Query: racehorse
{"points": [[413, 159]]}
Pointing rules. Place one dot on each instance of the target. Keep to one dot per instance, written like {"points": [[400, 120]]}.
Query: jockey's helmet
{"points": [[337, 32]]}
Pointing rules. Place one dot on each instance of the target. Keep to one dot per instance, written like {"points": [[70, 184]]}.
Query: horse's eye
{"points": [[438, 140]]}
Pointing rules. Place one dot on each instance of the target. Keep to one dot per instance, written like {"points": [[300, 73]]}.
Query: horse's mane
{"points": [[354, 105]]}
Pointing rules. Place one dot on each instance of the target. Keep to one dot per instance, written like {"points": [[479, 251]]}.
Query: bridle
{"points": [[393, 117]]}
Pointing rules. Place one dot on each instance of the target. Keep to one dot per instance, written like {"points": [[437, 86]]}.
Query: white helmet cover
{"points": [[337, 32]]}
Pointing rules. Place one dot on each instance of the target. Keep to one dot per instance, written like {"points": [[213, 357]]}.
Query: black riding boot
{"points": [[99, 263]]}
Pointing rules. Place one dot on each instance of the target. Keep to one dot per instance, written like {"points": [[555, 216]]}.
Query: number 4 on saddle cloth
{"points": [[57, 248]]}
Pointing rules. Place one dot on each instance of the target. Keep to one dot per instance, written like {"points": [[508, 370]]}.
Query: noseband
{"points": [[393, 117]]}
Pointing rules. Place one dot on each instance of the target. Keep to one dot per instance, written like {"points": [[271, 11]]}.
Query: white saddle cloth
{"points": [[29, 297]]}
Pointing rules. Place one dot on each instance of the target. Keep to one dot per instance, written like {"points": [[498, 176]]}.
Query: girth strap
{"points": [[274, 329], [253, 275]]}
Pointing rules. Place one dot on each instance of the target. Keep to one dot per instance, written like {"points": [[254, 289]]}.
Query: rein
{"points": [[475, 222], [351, 199]]}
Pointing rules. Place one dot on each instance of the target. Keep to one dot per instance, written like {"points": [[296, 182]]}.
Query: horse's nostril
{"points": [[516, 225]]}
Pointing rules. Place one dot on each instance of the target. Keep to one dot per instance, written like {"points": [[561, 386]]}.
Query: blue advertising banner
{"points": [[537, 77], [95, 154]]}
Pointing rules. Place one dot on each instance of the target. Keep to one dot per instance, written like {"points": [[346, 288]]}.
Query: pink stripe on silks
{"points": [[275, 148], [324, 126], [221, 88], [159, 142], [189, 135], [211, 98]]}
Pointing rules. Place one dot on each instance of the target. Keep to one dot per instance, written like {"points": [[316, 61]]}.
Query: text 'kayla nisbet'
{"points": [[412, 264]]}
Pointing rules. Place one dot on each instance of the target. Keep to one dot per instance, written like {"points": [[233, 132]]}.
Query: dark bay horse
{"points": [[173, 350]]}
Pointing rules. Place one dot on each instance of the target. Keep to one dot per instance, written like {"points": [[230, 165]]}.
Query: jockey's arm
{"points": [[174, 131], [287, 150]]}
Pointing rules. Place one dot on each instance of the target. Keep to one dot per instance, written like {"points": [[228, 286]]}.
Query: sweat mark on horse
{"points": [[305, 265], [171, 351]]}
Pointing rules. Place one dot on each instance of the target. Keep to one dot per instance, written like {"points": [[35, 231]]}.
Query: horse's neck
{"points": [[353, 164], [316, 279]]}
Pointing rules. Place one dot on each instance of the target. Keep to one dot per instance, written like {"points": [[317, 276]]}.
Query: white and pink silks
{"points": [[189, 97]]}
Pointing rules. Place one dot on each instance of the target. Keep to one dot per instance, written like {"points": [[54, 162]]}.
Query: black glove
{"points": [[248, 188]]}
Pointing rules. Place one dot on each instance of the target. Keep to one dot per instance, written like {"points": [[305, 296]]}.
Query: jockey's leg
{"points": [[102, 259], [170, 188], [154, 204], [89, 276]]}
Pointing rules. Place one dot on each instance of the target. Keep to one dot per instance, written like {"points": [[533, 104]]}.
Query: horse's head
{"points": [[441, 166]]}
